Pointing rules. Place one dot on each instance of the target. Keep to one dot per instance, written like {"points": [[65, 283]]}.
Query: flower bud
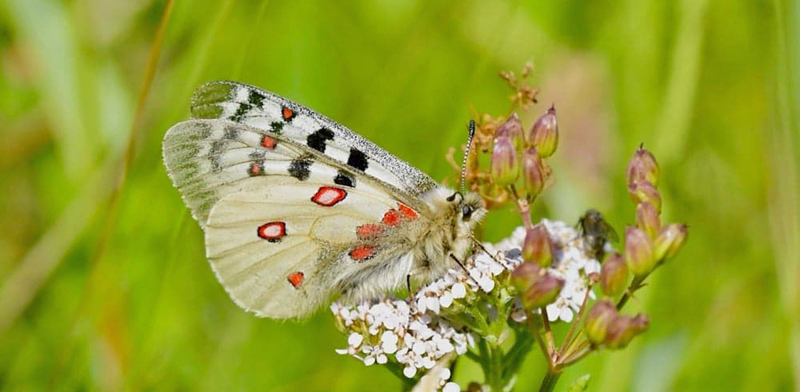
{"points": [[645, 192], [622, 330], [544, 134], [533, 172], [669, 241], [647, 219], [537, 247], [643, 168], [525, 275], [543, 292], [639, 251], [614, 275], [512, 129], [598, 319], [505, 163]]}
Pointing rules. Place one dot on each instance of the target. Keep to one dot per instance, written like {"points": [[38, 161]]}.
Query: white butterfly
{"points": [[297, 208]]}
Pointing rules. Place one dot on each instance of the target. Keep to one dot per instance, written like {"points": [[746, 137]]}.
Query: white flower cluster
{"points": [[390, 327], [412, 331]]}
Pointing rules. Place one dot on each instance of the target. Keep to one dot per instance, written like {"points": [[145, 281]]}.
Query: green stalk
{"points": [[550, 380]]}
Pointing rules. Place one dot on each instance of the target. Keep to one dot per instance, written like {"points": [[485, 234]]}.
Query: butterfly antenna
{"points": [[466, 156]]}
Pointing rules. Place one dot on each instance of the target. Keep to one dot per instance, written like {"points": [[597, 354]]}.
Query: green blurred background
{"points": [[103, 281]]}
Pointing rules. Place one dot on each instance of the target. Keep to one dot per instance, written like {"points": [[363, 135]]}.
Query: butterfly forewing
{"points": [[283, 229], [252, 106]]}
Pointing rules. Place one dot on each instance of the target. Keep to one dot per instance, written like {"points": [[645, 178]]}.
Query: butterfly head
{"points": [[468, 208]]}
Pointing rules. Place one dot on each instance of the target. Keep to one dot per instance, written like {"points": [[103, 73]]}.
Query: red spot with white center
{"points": [[361, 253], [296, 279], [328, 196], [272, 231], [369, 230], [288, 114], [268, 142], [407, 211], [391, 217]]}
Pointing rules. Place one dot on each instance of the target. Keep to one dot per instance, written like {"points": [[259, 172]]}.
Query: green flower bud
{"points": [[505, 163], [669, 240], [643, 167], [544, 134], [645, 192], [512, 129], [639, 251], [537, 247], [543, 292], [598, 319], [647, 219], [614, 275], [533, 173], [623, 329]]}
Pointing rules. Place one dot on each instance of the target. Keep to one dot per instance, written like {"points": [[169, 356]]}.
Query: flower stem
{"points": [[548, 334], [524, 207], [550, 380]]}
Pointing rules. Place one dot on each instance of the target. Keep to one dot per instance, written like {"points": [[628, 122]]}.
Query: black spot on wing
{"points": [[345, 178], [256, 99], [317, 139], [299, 168], [258, 154], [276, 127], [357, 159], [241, 111]]}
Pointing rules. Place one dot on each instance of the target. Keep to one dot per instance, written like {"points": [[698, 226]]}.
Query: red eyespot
{"points": [[407, 211], [328, 196], [368, 231], [361, 253], [391, 217], [296, 279], [268, 142], [272, 231], [288, 114], [255, 169]]}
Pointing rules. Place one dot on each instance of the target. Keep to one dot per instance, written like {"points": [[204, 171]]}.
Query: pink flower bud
{"points": [[505, 163], [512, 129], [598, 319], [647, 219], [543, 292], [614, 275], [544, 134], [645, 192], [623, 329], [525, 275], [639, 251], [533, 172], [537, 247], [669, 240], [643, 168]]}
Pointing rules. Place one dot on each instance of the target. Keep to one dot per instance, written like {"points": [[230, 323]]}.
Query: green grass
{"points": [[103, 280]]}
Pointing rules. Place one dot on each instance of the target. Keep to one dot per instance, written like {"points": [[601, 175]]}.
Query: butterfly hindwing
{"points": [[281, 252], [258, 108]]}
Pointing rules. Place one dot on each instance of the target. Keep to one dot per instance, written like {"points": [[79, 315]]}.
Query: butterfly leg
{"points": [[408, 284], [460, 264]]}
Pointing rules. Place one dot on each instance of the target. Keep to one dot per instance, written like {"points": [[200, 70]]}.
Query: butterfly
{"points": [[297, 209]]}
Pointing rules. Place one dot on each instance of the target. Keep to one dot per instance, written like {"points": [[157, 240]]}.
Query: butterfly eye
{"points": [[466, 212]]}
